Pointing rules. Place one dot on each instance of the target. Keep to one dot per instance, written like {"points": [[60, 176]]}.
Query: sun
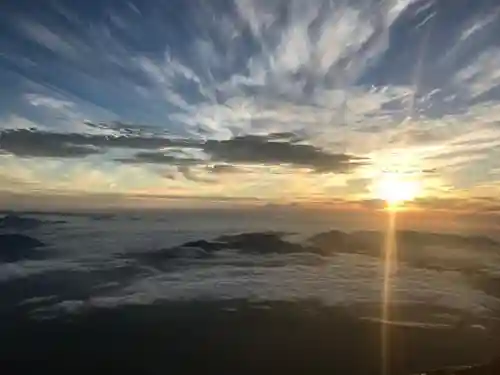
{"points": [[395, 189]]}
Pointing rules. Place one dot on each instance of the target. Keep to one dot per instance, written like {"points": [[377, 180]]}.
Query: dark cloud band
{"points": [[272, 149]]}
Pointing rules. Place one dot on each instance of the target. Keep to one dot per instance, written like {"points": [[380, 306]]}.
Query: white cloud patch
{"points": [[39, 100], [354, 279]]}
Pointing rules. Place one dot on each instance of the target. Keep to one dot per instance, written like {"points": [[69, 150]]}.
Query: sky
{"points": [[159, 103]]}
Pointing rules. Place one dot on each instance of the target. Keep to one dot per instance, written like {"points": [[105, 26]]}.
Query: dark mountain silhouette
{"points": [[419, 249], [254, 243], [410, 246], [13, 221], [370, 242], [206, 245], [180, 252], [264, 243], [16, 247]]}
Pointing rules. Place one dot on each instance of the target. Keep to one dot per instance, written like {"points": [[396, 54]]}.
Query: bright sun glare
{"points": [[395, 189]]}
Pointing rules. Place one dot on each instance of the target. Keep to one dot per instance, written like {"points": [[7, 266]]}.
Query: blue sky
{"points": [[273, 101]]}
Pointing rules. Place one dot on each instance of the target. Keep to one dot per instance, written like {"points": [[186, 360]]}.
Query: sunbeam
{"points": [[389, 252]]}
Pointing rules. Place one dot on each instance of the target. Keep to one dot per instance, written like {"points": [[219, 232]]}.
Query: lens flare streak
{"points": [[389, 253]]}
